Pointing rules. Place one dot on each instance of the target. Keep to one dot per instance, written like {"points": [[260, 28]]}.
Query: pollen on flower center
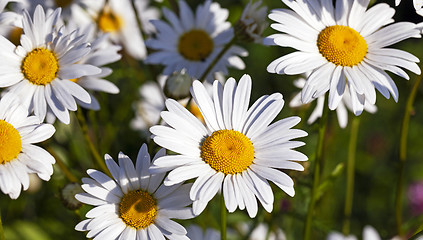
{"points": [[40, 66], [195, 45], [109, 21], [10, 142], [342, 45], [138, 209], [228, 151]]}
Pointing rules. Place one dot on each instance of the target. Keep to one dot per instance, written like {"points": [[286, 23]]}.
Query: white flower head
{"points": [[118, 19], [236, 148], [252, 22], [134, 204], [18, 156], [193, 41], [345, 47], [40, 68], [344, 105]]}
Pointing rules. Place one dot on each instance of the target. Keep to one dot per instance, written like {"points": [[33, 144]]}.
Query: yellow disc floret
{"points": [[108, 21], [138, 209], [40, 66], [342, 45], [10, 142], [228, 151], [195, 45]]}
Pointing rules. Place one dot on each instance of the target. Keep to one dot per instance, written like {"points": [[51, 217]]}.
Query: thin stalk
{"points": [[403, 154], [63, 166], [222, 218], [1, 230], [317, 170], [216, 59], [84, 127], [349, 195]]}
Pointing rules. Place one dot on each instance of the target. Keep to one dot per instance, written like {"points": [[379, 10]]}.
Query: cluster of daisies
{"points": [[54, 55]]}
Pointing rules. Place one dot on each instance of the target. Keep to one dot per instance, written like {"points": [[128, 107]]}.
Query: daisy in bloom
{"points": [[344, 105], [18, 156], [344, 47], [252, 23], [236, 151], [134, 204], [118, 19], [193, 41], [39, 69]]}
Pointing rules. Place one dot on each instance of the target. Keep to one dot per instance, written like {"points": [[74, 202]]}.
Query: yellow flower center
{"points": [[195, 45], [63, 3], [40, 66], [108, 21], [228, 151], [138, 209], [10, 142], [342, 45]]}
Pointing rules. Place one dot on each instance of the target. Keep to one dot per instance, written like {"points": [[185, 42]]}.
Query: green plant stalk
{"points": [[349, 194], [317, 170], [403, 154], [63, 166], [222, 218], [1, 230], [84, 127], [216, 59]]}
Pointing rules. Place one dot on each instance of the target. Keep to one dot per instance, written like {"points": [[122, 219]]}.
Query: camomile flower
{"points": [[345, 47], [236, 151], [134, 204], [118, 19], [252, 23], [18, 156], [344, 105], [39, 69], [192, 41]]}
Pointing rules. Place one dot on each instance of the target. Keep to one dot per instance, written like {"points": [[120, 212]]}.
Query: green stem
{"points": [[63, 166], [403, 154], [349, 195], [317, 165], [216, 59], [222, 218], [1, 230], [84, 127]]}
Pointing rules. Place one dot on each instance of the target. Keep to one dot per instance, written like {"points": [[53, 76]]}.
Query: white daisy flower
{"points": [[18, 156], [118, 19], [38, 70], [344, 105], [237, 150], [195, 232], [193, 41], [252, 23], [342, 46], [134, 204]]}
